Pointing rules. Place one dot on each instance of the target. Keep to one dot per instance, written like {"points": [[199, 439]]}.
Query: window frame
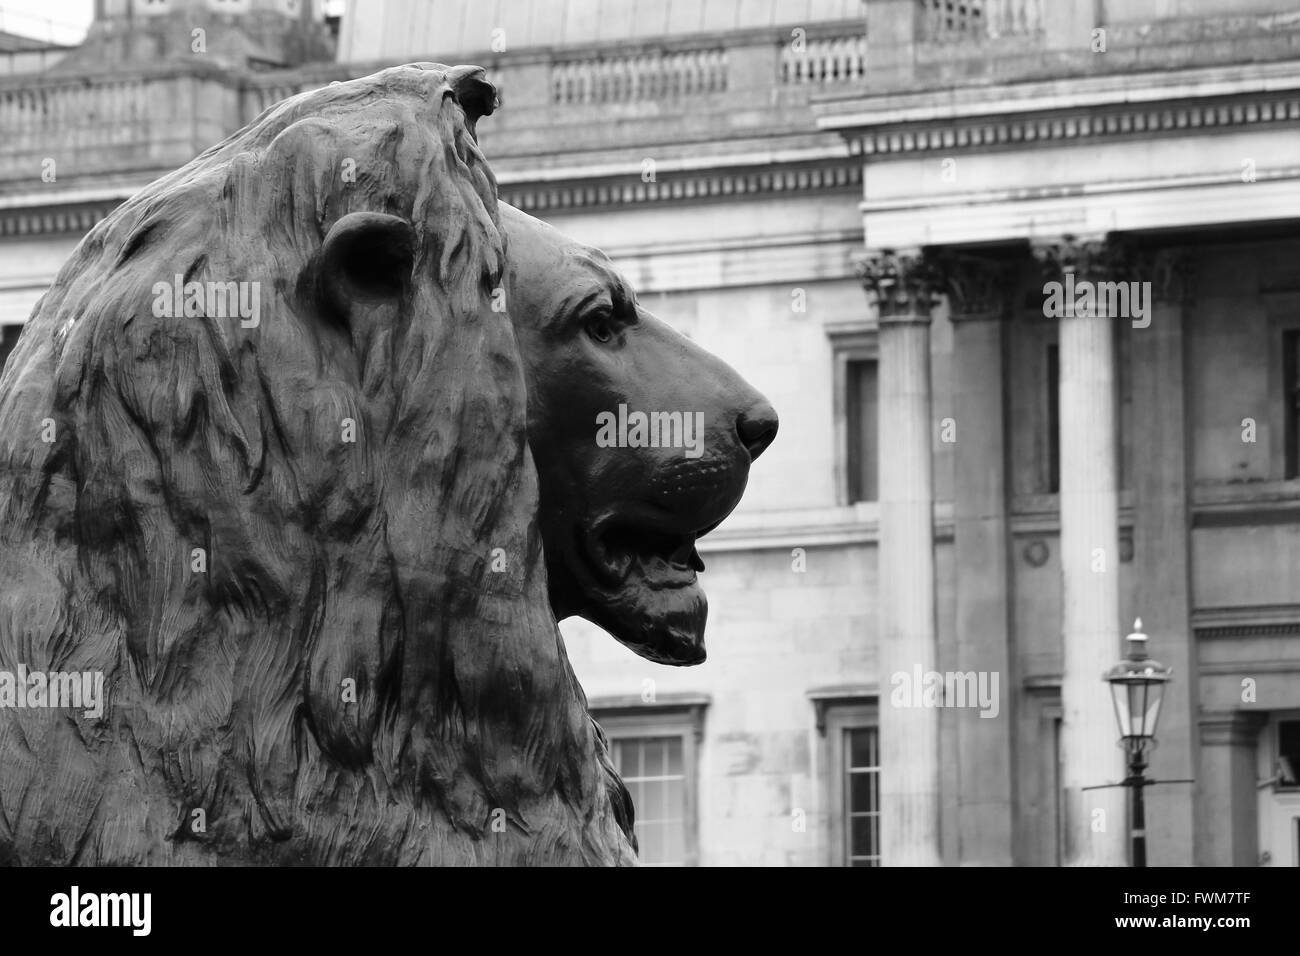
{"points": [[685, 720], [1271, 744], [1291, 403], [850, 342], [835, 716], [855, 472], [1282, 310], [1052, 416]]}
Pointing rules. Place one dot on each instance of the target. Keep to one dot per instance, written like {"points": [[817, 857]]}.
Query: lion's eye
{"points": [[600, 330]]}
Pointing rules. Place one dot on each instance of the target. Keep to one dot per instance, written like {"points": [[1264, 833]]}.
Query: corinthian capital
{"points": [[1089, 257], [904, 283], [976, 285]]}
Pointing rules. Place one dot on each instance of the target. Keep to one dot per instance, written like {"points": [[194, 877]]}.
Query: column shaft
{"points": [[984, 759], [977, 288], [1096, 821], [909, 775], [1161, 554]]}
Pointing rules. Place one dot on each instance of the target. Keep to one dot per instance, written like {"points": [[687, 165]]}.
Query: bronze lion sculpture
{"points": [[267, 473], [620, 540]]}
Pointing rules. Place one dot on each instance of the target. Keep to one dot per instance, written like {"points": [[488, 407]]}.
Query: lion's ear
{"points": [[475, 94], [367, 258]]}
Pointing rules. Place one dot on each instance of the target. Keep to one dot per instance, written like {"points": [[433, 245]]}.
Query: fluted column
{"points": [[1162, 552], [977, 290], [1095, 822], [909, 730]]}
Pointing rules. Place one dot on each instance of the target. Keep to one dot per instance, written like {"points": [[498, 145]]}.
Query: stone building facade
{"points": [[860, 205]]}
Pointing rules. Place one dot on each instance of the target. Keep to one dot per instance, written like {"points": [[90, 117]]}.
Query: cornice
{"points": [[45, 220], [1273, 620], [836, 526], [683, 186], [851, 109], [48, 216], [1084, 122]]}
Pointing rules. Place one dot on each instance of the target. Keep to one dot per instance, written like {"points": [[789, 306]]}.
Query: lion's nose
{"points": [[756, 427]]}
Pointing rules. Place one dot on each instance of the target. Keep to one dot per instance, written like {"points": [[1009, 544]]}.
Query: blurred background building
{"points": [[857, 204]]}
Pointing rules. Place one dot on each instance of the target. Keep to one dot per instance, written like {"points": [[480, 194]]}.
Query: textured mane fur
{"points": [[127, 441]]}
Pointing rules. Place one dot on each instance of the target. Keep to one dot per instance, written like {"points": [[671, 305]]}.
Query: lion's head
{"points": [[298, 536], [642, 439]]}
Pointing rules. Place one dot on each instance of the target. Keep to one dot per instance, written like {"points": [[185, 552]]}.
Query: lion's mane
{"points": [[128, 441]]}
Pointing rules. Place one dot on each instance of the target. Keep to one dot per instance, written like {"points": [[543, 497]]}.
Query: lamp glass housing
{"points": [[1137, 686]]}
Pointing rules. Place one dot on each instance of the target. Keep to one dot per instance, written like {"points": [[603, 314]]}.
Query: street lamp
{"points": [[1137, 683]]}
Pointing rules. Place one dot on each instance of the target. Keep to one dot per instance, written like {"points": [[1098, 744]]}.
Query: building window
{"points": [[1058, 793], [849, 727], [654, 771], [1053, 405], [1282, 346], [1291, 400], [8, 339], [654, 749], [856, 406], [1288, 754], [862, 795], [862, 412]]}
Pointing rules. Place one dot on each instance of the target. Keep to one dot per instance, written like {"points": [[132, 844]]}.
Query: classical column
{"points": [[977, 289], [1094, 821], [909, 730], [1161, 561], [1228, 814]]}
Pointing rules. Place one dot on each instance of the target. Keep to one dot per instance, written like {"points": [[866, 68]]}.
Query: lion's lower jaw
{"points": [[662, 625]]}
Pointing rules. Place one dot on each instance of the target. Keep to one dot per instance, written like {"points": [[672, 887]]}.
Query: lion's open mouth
{"points": [[619, 548], [640, 584]]}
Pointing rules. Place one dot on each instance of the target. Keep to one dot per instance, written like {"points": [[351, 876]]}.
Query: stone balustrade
{"points": [[114, 122], [649, 76], [822, 61]]}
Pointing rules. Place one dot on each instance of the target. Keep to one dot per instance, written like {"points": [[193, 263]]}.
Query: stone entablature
{"points": [[1141, 120], [1098, 154], [1056, 113]]}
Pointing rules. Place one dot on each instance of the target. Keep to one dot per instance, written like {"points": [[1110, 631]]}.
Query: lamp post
{"points": [[1137, 684]]}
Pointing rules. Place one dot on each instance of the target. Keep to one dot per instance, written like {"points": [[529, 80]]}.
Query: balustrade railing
{"points": [[832, 60], [649, 76]]}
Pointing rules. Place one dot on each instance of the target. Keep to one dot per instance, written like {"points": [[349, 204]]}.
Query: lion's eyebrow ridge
{"points": [[609, 283]]}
